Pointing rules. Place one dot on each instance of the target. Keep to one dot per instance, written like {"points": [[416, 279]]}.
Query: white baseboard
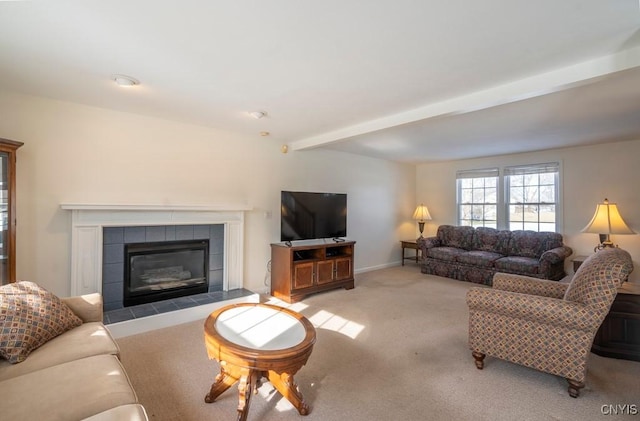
{"points": [[158, 321], [377, 267], [266, 290]]}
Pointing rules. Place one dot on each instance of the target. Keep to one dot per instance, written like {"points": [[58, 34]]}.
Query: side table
{"points": [[410, 244], [619, 334], [577, 261]]}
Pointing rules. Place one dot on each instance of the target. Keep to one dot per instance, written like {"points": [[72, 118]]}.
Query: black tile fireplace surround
{"points": [[156, 271], [116, 238]]}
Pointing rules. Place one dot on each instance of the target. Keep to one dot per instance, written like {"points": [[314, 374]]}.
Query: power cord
{"points": [[267, 275]]}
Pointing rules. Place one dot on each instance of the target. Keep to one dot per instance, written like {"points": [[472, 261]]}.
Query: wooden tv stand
{"points": [[310, 266]]}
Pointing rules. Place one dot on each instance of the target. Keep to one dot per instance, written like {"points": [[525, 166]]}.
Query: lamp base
{"points": [[604, 243], [420, 228]]}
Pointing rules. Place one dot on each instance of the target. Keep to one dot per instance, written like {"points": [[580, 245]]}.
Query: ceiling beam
{"points": [[541, 84]]}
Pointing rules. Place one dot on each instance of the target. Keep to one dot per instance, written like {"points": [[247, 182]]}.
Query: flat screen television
{"points": [[309, 215]]}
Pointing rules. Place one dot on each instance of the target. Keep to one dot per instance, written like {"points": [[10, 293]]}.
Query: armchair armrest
{"points": [[529, 285], [88, 307], [556, 255], [547, 310]]}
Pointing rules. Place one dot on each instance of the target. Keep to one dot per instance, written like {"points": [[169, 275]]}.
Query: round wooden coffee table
{"points": [[252, 341]]}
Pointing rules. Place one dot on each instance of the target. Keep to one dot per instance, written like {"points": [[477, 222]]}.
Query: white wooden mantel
{"points": [[88, 221]]}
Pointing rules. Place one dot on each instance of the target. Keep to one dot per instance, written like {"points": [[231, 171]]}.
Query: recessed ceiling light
{"points": [[125, 81], [264, 133]]}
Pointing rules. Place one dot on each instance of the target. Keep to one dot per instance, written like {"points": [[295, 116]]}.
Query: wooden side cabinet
{"points": [[577, 262], [310, 267], [619, 334], [8, 150]]}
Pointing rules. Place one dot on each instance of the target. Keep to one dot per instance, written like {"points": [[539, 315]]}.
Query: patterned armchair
{"points": [[546, 325]]}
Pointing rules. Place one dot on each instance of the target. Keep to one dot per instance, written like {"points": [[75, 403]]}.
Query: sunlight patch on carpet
{"points": [[298, 307], [326, 320], [268, 393]]}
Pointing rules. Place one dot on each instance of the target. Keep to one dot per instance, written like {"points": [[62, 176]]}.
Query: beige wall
{"points": [[589, 174], [80, 154], [75, 153]]}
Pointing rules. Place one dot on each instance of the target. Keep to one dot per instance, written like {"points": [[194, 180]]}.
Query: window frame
{"points": [[503, 194], [483, 174], [530, 170]]}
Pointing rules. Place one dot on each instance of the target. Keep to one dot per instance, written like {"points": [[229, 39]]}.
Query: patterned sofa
{"points": [[476, 254]]}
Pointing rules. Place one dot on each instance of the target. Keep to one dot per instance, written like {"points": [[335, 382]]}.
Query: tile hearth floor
{"points": [[159, 307]]}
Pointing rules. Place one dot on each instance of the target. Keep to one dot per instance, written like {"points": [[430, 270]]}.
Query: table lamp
{"points": [[605, 221], [421, 214]]}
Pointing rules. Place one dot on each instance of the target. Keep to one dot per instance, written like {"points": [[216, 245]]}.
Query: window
{"points": [[523, 197], [532, 197], [478, 197]]}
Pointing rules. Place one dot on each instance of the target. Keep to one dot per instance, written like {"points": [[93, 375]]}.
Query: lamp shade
{"points": [[607, 220], [422, 213]]}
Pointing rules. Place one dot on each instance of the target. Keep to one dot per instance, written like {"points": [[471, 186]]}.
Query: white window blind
{"points": [[477, 197], [532, 196]]}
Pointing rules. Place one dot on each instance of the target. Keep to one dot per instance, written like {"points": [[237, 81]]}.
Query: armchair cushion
{"points": [[29, 317]]}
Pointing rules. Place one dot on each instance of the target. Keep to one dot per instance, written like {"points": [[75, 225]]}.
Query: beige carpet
{"points": [[393, 348]]}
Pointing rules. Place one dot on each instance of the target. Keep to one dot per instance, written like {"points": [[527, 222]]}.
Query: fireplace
{"points": [[144, 239], [155, 271], [96, 265]]}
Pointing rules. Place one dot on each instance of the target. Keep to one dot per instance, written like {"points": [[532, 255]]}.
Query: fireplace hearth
{"points": [[155, 271]]}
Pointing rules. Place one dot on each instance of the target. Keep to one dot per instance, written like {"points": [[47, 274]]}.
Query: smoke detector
{"points": [[125, 81], [257, 114]]}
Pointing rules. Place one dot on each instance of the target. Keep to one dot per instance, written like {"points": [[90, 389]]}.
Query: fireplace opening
{"points": [[158, 271]]}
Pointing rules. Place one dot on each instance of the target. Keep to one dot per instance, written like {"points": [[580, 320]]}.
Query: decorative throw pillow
{"points": [[29, 317]]}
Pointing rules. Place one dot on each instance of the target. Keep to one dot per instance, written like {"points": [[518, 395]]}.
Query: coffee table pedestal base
{"points": [[254, 341], [249, 380]]}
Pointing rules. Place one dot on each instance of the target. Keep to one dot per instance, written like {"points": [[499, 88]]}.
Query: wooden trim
{"points": [[10, 147]]}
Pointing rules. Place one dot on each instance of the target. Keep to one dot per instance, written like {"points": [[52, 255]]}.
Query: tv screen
{"points": [[307, 215]]}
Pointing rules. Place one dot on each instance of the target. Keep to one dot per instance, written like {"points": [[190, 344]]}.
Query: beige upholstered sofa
{"points": [[546, 325], [75, 375]]}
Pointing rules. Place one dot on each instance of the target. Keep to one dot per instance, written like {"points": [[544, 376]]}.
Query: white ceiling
{"points": [[406, 80]]}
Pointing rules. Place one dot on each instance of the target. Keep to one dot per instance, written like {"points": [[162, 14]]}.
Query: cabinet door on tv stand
{"points": [[344, 268], [302, 275], [325, 272]]}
